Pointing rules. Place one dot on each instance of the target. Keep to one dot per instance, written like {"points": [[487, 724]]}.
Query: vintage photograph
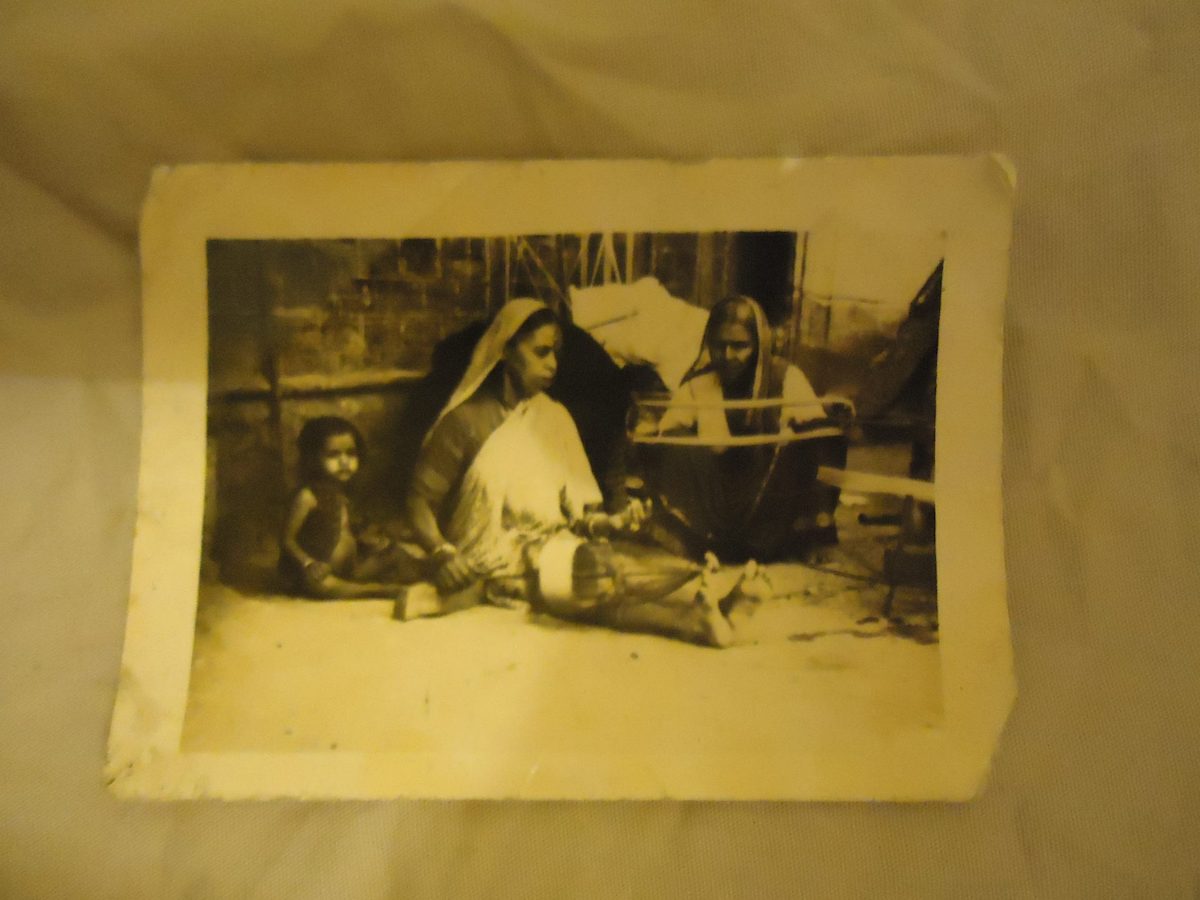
{"points": [[569, 480], [721, 439]]}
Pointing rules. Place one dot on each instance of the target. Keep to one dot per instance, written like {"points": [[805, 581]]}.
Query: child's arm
{"points": [[302, 506]]}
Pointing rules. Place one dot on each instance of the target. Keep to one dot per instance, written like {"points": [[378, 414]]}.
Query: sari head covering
{"points": [[490, 350], [529, 476], [762, 385]]}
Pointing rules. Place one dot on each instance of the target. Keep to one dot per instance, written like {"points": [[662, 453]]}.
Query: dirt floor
{"points": [[272, 673]]}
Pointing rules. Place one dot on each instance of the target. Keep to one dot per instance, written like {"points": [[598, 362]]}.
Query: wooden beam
{"points": [[870, 483], [291, 387]]}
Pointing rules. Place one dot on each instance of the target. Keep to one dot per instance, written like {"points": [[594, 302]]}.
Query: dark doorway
{"points": [[765, 263]]}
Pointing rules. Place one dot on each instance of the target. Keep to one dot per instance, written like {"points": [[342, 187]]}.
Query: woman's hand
{"points": [[315, 572], [374, 539], [629, 520], [453, 572], [635, 514]]}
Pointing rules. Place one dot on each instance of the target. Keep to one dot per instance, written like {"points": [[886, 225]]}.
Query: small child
{"points": [[321, 554]]}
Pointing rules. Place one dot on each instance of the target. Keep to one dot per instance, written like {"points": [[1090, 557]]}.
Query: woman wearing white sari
{"points": [[503, 471]]}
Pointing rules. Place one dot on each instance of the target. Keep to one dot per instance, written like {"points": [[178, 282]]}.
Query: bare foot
{"points": [[417, 601], [507, 593], [747, 596], [716, 629]]}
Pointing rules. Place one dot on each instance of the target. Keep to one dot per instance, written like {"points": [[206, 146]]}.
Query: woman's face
{"points": [[732, 348], [532, 360]]}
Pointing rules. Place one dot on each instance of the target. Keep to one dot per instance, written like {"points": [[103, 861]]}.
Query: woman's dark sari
{"points": [[746, 499]]}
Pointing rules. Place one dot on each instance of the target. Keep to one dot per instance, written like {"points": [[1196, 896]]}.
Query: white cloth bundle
{"points": [[642, 323]]}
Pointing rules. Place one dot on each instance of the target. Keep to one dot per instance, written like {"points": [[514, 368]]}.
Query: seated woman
{"points": [[743, 499], [503, 471]]}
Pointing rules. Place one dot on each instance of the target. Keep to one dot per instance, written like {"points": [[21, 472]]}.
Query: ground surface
{"points": [[272, 673]]}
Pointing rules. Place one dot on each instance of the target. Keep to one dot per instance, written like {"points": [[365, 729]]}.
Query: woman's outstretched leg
{"points": [[708, 611], [698, 621]]}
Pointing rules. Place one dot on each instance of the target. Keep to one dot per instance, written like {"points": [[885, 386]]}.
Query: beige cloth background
{"points": [[1096, 787]]}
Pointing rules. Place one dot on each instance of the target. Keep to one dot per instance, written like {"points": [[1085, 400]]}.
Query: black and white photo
{"points": [[570, 511]]}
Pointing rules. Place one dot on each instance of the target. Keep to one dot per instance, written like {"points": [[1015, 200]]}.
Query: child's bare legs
{"points": [[381, 572], [363, 582], [331, 587]]}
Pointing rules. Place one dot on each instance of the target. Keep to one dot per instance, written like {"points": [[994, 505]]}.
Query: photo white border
{"points": [[967, 198]]}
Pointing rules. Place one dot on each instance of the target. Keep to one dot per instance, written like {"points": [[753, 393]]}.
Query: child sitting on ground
{"points": [[321, 554]]}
